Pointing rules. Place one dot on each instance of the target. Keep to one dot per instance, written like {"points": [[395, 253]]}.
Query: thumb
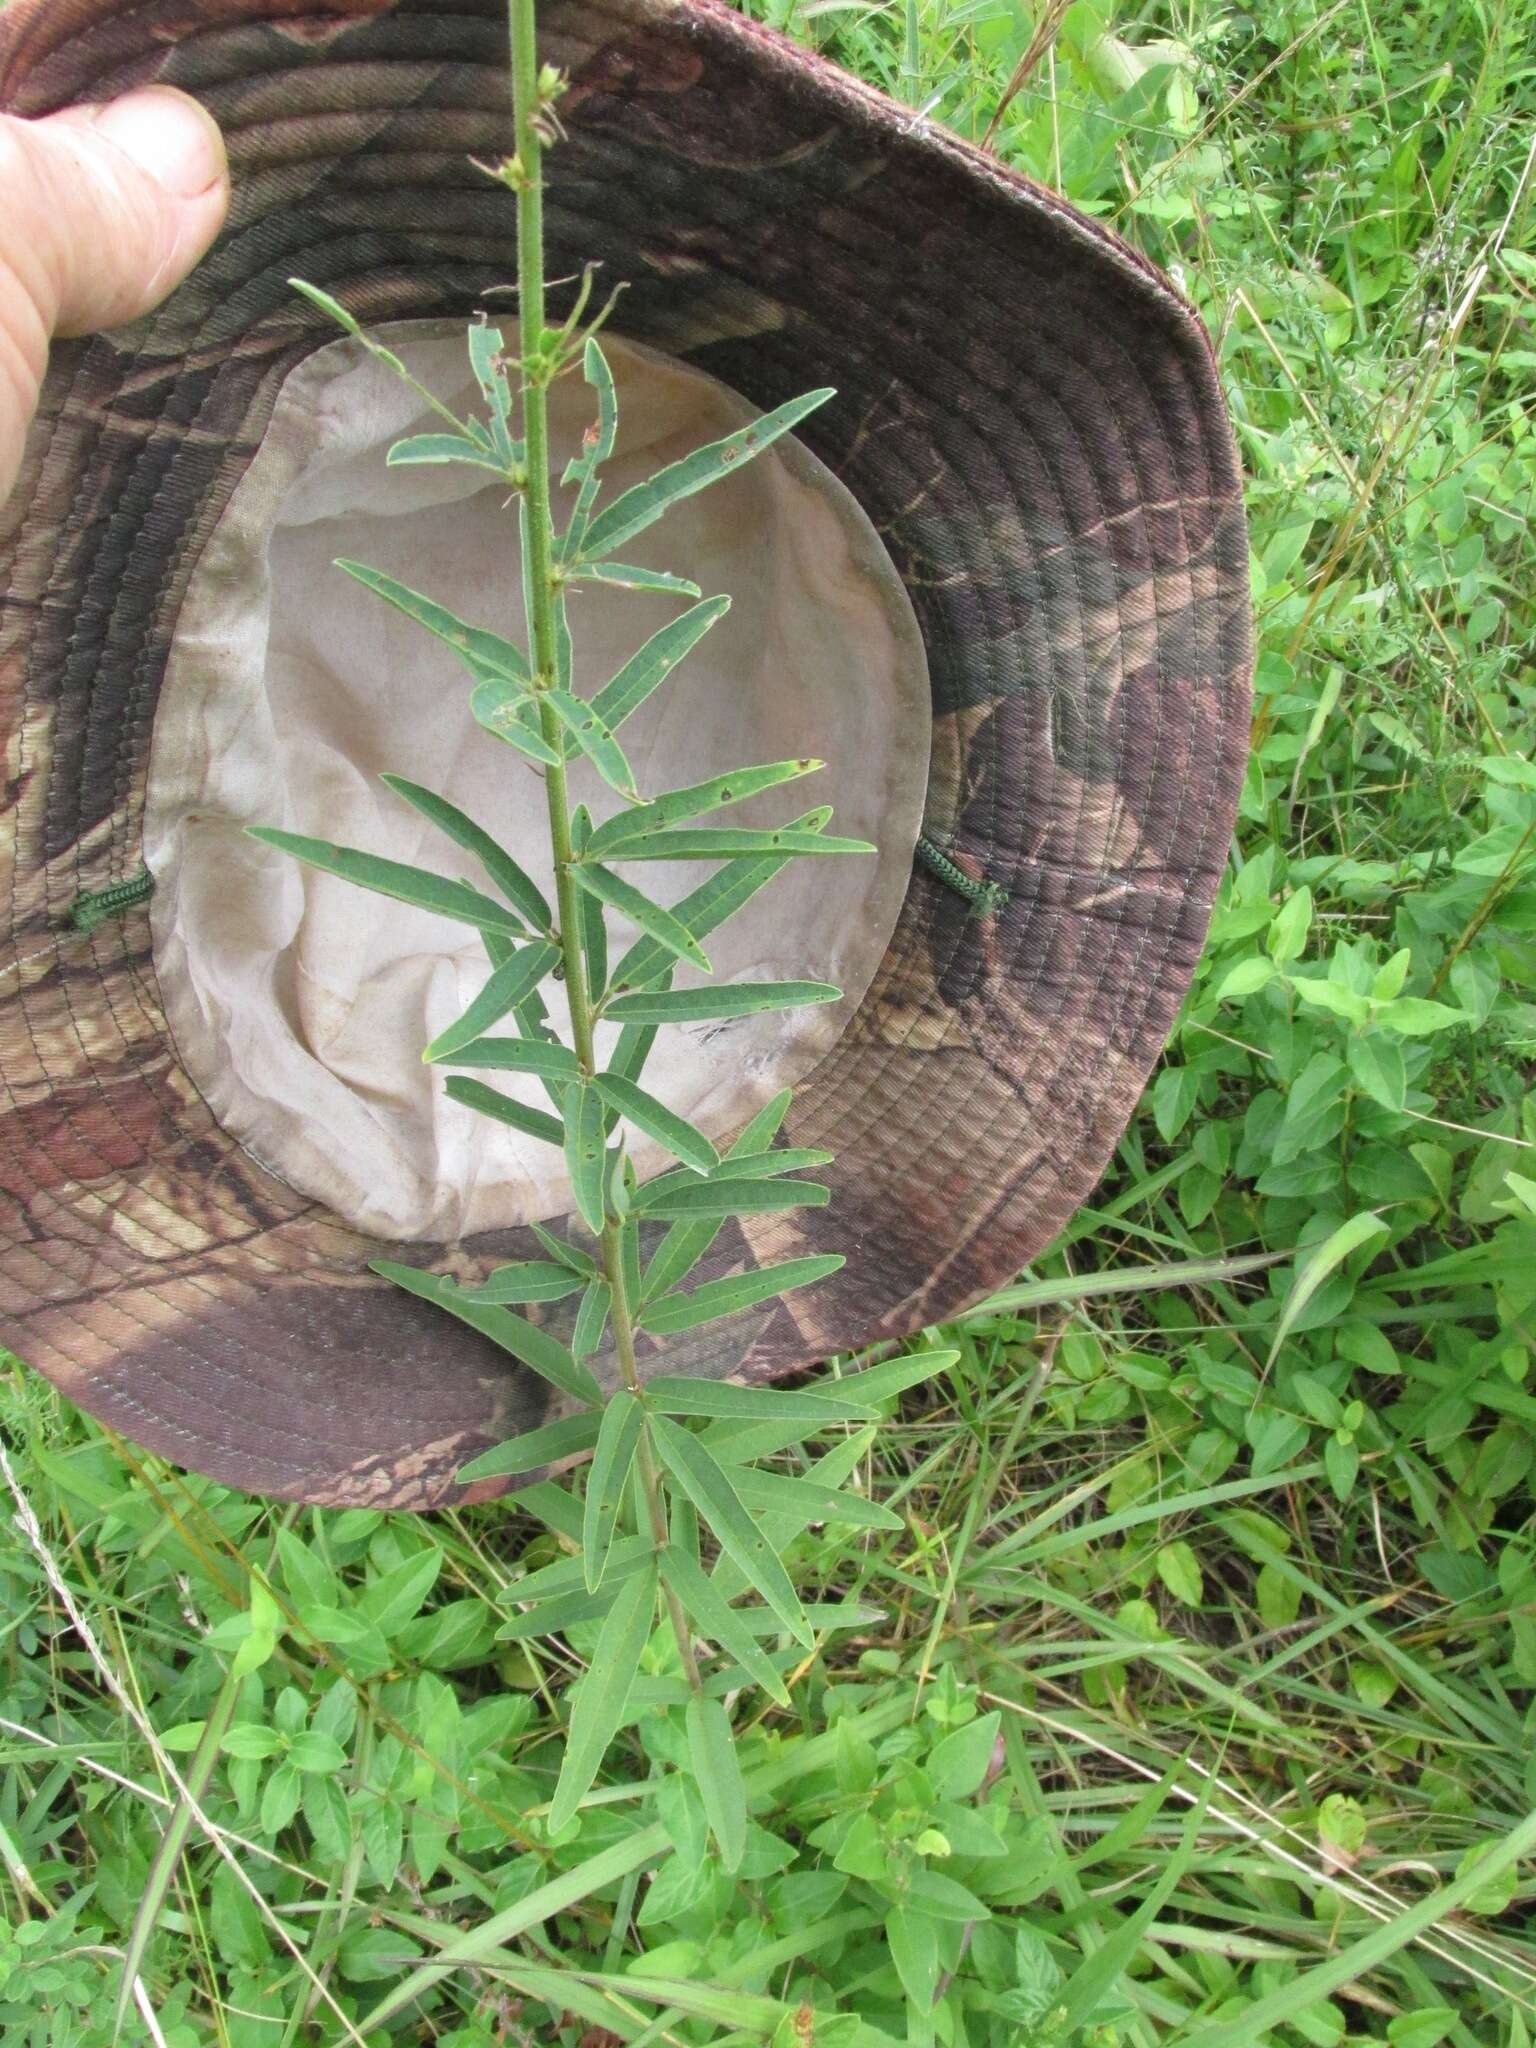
{"points": [[103, 210]]}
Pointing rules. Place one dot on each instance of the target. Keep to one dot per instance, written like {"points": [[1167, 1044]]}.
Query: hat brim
{"points": [[1032, 420]]}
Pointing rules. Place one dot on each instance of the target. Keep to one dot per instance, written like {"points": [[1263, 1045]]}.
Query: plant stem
{"points": [[542, 645]]}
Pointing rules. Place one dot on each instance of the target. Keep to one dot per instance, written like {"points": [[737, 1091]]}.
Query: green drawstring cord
{"points": [[95, 906], [985, 898]]}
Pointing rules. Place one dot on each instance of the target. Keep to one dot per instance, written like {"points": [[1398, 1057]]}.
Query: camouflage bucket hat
{"points": [[1030, 434]]}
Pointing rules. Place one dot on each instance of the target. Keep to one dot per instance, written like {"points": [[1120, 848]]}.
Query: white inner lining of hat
{"points": [[298, 1003]]}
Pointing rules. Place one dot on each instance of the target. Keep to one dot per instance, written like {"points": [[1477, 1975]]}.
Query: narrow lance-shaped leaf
{"points": [[676, 805], [564, 652], [630, 1053], [552, 1616], [502, 709], [714, 1616], [533, 1023], [734, 1198], [597, 446], [586, 1152], [505, 988], [658, 924], [718, 1775], [674, 1394], [416, 886], [734, 999], [706, 908], [594, 925], [533, 1449], [519, 1056], [716, 1298], [770, 1493], [765, 1126], [894, 1375], [751, 1166], [569, 1254], [514, 882], [687, 1242], [617, 1439], [629, 1252], [418, 449], [525, 1341], [711, 1492], [485, 359], [591, 1318], [628, 576], [471, 643], [517, 1116], [337, 312], [568, 1574], [636, 509], [603, 1694], [651, 664], [657, 1121], [593, 737], [527, 1280], [728, 842]]}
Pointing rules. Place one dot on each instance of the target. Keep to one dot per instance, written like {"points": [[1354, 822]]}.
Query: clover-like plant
{"points": [[669, 1457]]}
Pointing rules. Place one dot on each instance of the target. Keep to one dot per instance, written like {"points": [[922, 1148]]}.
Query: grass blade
{"points": [[196, 1775], [1330, 1254], [712, 1493], [597, 1711]]}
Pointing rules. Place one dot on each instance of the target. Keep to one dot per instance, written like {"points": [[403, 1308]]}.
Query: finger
{"points": [[103, 210]]}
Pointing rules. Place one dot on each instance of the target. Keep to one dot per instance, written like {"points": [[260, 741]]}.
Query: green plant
{"points": [[654, 1480]]}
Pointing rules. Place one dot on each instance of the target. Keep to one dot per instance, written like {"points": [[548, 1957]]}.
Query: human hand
{"points": [[103, 210]]}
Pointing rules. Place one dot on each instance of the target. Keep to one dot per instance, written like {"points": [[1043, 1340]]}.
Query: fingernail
{"points": [[169, 136]]}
